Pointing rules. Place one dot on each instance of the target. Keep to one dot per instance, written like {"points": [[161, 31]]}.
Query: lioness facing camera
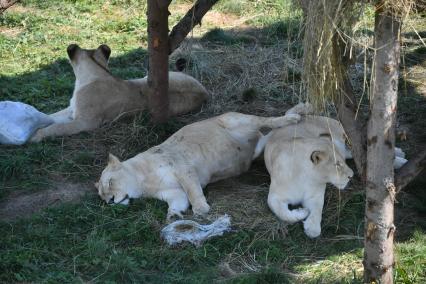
{"points": [[177, 170], [100, 97], [300, 169]]}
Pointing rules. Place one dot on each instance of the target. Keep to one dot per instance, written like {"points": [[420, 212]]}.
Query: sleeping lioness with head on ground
{"points": [[100, 97], [177, 170]]}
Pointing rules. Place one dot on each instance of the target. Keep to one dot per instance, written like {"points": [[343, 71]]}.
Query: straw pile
{"points": [[329, 22]]}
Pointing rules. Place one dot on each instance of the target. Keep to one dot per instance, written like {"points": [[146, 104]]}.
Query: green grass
{"points": [[90, 241]]}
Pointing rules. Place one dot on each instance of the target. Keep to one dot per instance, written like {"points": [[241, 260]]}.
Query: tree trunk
{"points": [[380, 188], [192, 18], [5, 4], [158, 50], [347, 105], [354, 129]]}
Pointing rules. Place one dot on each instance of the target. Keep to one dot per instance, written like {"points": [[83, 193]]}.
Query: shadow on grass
{"points": [[50, 88], [94, 242]]}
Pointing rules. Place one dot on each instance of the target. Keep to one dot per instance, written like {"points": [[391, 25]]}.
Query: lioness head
{"points": [[118, 183], [100, 55], [329, 165]]}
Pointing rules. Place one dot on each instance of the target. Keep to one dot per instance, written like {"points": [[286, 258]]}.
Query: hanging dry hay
{"points": [[321, 73], [327, 21], [399, 8]]}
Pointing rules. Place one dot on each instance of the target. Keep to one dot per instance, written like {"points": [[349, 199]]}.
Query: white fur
{"points": [[177, 170], [99, 97], [296, 179]]}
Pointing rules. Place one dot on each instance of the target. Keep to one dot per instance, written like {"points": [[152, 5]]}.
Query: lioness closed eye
{"points": [[300, 169], [177, 170]]}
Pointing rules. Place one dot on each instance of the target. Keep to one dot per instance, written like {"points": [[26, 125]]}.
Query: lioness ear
{"points": [[113, 160], [318, 156], [106, 51], [72, 49]]}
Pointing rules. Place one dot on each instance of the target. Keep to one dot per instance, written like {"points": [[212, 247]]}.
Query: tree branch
{"points": [[192, 18], [410, 170], [6, 4]]}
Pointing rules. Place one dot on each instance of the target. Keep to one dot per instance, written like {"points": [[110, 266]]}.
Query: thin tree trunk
{"points": [[6, 4], [347, 105], [158, 50], [191, 19], [354, 129], [380, 188]]}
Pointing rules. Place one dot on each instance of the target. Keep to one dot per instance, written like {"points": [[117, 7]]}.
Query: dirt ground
{"points": [[21, 204]]}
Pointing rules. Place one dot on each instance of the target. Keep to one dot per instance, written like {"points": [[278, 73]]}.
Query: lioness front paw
{"points": [[201, 209], [312, 230], [172, 215]]}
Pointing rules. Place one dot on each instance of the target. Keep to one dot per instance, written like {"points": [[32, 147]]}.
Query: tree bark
{"points": [[158, 48], [6, 4], [354, 129], [410, 170], [192, 18], [380, 188]]}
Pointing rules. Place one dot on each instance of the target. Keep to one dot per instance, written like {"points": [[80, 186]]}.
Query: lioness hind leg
{"points": [[281, 121], [283, 212], [301, 108], [399, 162], [399, 153], [60, 129], [312, 224]]}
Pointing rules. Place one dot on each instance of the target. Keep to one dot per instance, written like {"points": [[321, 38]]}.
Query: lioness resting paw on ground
{"points": [[300, 169], [177, 170], [100, 97]]}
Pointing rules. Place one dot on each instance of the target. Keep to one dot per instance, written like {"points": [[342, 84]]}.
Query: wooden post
{"points": [[380, 188], [158, 50]]}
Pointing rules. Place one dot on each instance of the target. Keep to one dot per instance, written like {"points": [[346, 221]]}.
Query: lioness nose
{"points": [[111, 201]]}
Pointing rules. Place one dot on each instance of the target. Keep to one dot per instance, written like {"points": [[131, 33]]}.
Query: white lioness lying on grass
{"points": [[200, 153], [100, 97]]}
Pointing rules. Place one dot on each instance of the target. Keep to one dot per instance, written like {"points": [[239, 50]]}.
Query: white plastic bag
{"points": [[191, 231], [18, 121]]}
